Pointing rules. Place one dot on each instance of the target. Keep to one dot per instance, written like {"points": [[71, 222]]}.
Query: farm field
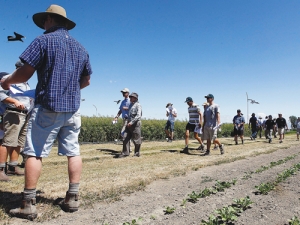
{"points": [[162, 180]]}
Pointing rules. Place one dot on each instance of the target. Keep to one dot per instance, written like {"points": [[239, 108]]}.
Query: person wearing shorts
{"points": [[63, 69], [211, 117], [281, 124], [15, 120], [171, 113], [195, 121], [238, 122]]}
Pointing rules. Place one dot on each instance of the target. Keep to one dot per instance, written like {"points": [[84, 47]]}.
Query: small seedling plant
{"points": [[294, 221], [229, 214], [265, 188], [134, 221], [169, 210]]}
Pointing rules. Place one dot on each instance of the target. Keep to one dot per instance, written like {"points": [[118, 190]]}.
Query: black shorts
{"points": [[238, 132], [190, 127]]}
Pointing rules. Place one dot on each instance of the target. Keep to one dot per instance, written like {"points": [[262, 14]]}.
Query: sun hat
{"points": [[125, 90], [53, 10], [133, 94], [169, 104], [188, 99], [19, 63], [209, 96]]}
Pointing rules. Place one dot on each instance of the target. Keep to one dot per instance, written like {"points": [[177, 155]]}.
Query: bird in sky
{"points": [[18, 37], [117, 101]]}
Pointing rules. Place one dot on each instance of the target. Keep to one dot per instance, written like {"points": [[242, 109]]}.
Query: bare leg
{"points": [[172, 135], [14, 153], [198, 138], [33, 168], [74, 168], [187, 134], [3, 154]]}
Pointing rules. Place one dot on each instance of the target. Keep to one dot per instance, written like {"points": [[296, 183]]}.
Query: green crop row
{"points": [[101, 129]]}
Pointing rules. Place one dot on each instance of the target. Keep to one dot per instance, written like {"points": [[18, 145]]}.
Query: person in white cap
{"points": [[63, 69], [124, 109], [171, 113], [281, 124]]}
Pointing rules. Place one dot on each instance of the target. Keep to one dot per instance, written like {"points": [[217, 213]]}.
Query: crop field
{"points": [[189, 188]]}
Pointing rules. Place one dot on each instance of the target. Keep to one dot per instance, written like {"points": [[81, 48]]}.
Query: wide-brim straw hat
{"points": [[53, 9]]}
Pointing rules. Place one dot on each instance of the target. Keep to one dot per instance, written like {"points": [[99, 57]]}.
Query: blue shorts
{"points": [[45, 126], [169, 125]]}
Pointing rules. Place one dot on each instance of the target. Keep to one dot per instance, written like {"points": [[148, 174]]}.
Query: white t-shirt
{"points": [[171, 110]]}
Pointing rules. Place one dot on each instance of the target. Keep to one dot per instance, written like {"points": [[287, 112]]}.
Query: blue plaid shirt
{"points": [[60, 62]]}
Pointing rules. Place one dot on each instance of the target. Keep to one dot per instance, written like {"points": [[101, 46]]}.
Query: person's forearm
{"points": [[9, 100], [84, 81], [20, 75]]}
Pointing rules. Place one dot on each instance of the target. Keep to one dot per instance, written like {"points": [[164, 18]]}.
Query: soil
{"points": [[277, 207]]}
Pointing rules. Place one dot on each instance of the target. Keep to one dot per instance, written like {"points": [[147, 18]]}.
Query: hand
{"points": [[19, 105], [116, 118], [4, 84]]}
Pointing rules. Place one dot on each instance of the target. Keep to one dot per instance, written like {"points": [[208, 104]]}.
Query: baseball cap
{"points": [[125, 90], [238, 110], [209, 96], [188, 99]]}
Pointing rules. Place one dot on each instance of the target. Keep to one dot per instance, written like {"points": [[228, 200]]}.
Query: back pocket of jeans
{"points": [[46, 118]]}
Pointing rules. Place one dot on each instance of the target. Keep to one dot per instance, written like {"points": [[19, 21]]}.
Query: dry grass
{"points": [[105, 178]]}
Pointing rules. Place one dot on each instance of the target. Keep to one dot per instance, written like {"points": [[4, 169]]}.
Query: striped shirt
{"points": [[194, 111], [60, 62]]}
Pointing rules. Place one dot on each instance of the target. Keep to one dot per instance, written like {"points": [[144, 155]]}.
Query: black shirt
{"points": [[269, 124], [253, 121], [281, 122]]}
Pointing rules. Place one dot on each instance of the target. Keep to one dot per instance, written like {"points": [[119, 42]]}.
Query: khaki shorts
{"points": [[280, 131], [15, 128], [209, 133]]}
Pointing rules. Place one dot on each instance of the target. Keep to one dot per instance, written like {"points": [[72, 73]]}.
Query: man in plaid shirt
{"points": [[63, 69]]}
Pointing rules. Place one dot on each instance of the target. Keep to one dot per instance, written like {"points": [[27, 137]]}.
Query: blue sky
{"points": [[169, 50]]}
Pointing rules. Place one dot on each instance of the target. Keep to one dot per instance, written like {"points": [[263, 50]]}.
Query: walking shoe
{"points": [[14, 170], [137, 154], [222, 149], [216, 147], [270, 140], [206, 153], [280, 141], [122, 156], [251, 137], [186, 150], [3, 176], [70, 203], [201, 147], [27, 209]]}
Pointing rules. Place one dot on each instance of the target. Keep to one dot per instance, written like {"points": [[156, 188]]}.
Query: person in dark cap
{"points": [[195, 121], [133, 128], [238, 122], [63, 69], [253, 124], [171, 113]]}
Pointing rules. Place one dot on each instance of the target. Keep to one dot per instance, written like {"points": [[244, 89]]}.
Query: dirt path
{"points": [[275, 208]]}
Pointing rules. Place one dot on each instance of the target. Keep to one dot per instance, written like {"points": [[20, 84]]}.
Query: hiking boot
{"points": [[70, 203], [3, 176], [137, 154], [122, 156], [14, 170], [280, 141], [27, 209], [251, 137], [186, 150], [270, 140], [222, 149], [206, 153]]}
